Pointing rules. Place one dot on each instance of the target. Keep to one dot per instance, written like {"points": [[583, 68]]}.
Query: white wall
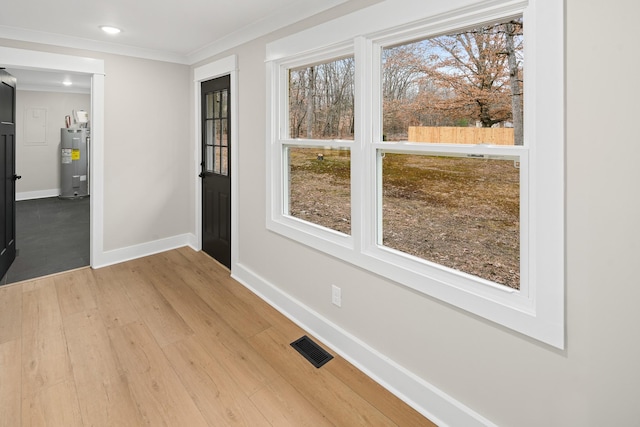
{"points": [[147, 151], [39, 164], [502, 375]]}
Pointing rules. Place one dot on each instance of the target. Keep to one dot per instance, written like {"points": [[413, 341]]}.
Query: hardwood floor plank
{"points": [[40, 309], [165, 324], [74, 292], [214, 391], [96, 373], [10, 383], [161, 398], [223, 342], [376, 395], [54, 406], [283, 405], [10, 313], [210, 287], [333, 398], [235, 290], [45, 360], [114, 305]]}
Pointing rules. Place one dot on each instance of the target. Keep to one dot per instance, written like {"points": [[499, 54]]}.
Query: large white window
{"points": [[429, 152]]}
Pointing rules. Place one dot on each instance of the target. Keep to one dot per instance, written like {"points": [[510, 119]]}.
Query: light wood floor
{"points": [[169, 340]]}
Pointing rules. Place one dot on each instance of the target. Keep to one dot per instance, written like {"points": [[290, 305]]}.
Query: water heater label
{"points": [[75, 155], [66, 155]]}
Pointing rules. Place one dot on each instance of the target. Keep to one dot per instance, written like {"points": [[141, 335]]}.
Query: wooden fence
{"points": [[461, 135]]}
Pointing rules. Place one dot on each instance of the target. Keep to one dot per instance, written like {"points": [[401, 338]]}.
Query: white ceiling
{"points": [[181, 31], [51, 81]]}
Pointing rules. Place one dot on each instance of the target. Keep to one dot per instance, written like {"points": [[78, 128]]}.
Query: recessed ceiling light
{"points": [[110, 30], [67, 83]]}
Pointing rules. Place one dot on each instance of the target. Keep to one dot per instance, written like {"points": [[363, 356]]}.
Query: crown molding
{"points": [[300, 10], [53, 39], [275, 21]]}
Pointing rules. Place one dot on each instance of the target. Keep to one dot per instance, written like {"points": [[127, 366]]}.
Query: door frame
{"points": [[222, 67], [36, 60]]}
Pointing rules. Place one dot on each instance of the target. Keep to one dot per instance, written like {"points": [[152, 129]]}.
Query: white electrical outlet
{"points": [[336, 295]]}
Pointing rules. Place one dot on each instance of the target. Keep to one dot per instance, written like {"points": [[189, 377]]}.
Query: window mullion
{"points": [[362, 104]]}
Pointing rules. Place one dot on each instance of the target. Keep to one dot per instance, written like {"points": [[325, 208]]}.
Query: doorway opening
{"points": [[52, 210], [94, 70]]}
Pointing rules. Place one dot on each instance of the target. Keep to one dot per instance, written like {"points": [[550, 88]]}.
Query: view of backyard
{"points": [[460, 213], [460, 210]]}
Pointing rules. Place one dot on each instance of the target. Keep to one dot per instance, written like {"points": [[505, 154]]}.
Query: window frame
{"points": [[281, 221], [537, 309]]}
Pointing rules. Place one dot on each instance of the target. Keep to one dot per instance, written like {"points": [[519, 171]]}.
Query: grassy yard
{"points": [[458, 212]]}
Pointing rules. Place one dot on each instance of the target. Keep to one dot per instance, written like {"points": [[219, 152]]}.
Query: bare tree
{"points": [[450, 80], [482, 67], [513, 30], [322, 98]]}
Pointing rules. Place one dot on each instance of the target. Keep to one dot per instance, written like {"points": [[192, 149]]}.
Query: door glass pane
{"points": [[224, 161], [209, 132], [215, 132], [224, 140], [209, 104], [463, 213], [216, 106], [216, 165], [223, 101], [209, 158]]}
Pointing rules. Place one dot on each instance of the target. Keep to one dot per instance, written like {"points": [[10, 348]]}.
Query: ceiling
{"points": [[180, 31], [44, 80]]}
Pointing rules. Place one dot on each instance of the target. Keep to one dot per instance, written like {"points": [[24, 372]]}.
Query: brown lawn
{"points": [[458, 212]]}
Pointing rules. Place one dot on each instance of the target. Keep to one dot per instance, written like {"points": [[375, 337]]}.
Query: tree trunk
{"points": [[311, 101], [516, 91]]}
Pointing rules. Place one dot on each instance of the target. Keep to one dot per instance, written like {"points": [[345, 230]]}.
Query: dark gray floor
{"points": [[52, 235]]}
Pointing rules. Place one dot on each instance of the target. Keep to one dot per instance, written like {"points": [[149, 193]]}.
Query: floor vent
{"points": [[311, 351]]}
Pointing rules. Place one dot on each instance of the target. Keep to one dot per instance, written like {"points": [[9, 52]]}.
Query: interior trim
{"points": [[421, 395], [22, 58]]}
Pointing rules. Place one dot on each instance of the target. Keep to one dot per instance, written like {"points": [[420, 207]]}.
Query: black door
{"points": [[216, 169], [7, 171]]}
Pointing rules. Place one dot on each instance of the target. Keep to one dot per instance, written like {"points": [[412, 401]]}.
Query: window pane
{"points": [[209, 159], [224, 161], [223, 101], [209, 102], [321, 101], [216, 105], [216, 159], [216, 132], [463, 213], [224, 140], [319, 186], [210, 132], [465, 87]]}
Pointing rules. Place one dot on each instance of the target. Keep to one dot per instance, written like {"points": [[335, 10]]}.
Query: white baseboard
{"points": [[430, 401], [144, 249], [40, 194]]}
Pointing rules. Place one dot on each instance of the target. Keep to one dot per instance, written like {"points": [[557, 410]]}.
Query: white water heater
{"points": [[74, 163]]}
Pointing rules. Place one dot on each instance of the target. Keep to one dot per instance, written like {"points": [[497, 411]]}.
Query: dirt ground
{"points": [[457, 212]]}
